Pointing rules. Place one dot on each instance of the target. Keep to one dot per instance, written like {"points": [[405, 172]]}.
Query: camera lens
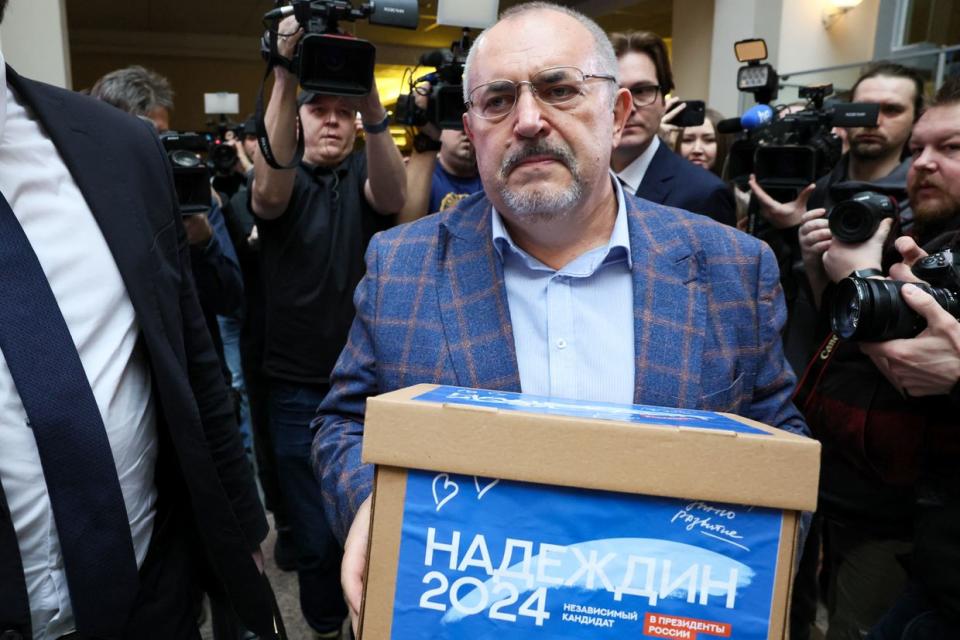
{"points": [[872, 310], [223, 157], [855, 220], [184, 158], [847, 307]]}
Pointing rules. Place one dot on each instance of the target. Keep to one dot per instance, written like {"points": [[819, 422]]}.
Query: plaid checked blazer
{"points": [[433, 308]]}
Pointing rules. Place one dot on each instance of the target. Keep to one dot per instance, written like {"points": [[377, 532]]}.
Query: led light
{"points": [[753, 77]]}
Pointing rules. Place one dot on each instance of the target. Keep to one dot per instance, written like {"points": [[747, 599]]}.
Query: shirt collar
{"points": [[619, 237], [632, 174]]}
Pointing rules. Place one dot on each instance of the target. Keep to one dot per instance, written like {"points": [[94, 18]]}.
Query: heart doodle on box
{"points": [[481, 491], [449, 488]]}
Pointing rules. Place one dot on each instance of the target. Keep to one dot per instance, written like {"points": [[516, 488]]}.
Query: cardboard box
{"points": [[502, 515]]}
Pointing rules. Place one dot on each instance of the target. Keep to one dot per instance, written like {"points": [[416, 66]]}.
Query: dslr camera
{"points": [[873, 310], [327, 61], [856, 220], [445, 106]]}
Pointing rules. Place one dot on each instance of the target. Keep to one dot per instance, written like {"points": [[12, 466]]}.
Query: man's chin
{"points": [[868, 149], [541, 203], [634, 141], [932, 210]]}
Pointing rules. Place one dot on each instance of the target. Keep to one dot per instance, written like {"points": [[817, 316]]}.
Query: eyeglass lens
{"points": [[644, 94], [551, 86]]}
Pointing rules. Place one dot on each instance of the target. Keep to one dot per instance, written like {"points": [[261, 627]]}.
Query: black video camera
{"points": [[191, 176], [222, 157], [327, 61], [445, 104], [873, 310], [792, 151], [856, 220]]}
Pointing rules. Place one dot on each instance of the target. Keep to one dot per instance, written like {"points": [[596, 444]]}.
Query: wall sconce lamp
{"points": [[834, 9]]}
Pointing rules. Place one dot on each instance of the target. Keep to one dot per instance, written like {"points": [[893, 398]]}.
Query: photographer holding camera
{"points": [[440, 173], [875, 154], [928, 367], [213, 260], [314, 222], [442, 169], [885, 410], [873, 163]]}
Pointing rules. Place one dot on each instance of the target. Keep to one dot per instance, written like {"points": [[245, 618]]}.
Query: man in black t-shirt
{"points": [[314, 223]]}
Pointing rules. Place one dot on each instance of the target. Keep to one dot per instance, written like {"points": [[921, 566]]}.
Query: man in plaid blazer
{"points": [[442, 301]]}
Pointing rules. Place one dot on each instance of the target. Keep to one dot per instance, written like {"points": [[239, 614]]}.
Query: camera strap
{"points": [[274, 59], [810, 380]]}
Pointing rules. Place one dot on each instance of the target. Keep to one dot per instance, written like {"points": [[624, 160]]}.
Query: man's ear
{"points": [[622, 108], [466, 127]]}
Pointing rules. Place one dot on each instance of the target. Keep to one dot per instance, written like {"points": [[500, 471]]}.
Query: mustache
{"points": [[541, 148]]}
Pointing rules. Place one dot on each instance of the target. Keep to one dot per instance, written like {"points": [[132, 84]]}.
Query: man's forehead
{"points": [[635, 66], [524, 44], [937, 123], [889, 89], [329, 102]]}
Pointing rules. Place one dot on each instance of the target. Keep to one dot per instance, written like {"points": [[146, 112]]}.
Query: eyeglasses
{"points": [[644, 94], [554, 86]]}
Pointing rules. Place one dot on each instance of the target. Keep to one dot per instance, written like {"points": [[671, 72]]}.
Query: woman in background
{"points": [[706, 148], [703, 146]]}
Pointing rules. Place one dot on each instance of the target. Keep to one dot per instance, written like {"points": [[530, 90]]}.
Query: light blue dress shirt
{"points": [[573, 327]]}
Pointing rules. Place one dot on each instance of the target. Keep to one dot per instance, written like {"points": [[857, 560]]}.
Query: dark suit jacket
{"points": [[123, 173], [670, 180]]}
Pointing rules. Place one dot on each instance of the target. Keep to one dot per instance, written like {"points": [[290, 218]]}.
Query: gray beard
{"points": [[540, 204]]}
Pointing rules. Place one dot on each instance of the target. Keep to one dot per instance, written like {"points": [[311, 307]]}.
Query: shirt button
{"points": [[561, 344]]}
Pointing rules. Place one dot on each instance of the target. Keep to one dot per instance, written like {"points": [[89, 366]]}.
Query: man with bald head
{"points": [[552, 281]]}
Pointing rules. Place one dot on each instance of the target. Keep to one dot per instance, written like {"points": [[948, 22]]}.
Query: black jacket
{"points": [[675, 182], [124, 175]]}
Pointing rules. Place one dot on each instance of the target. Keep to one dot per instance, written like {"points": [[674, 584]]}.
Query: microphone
{"points": [[753, 118]]}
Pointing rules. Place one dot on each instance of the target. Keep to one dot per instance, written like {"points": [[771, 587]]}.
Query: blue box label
{"points": [[637, 413], [485, 558]]}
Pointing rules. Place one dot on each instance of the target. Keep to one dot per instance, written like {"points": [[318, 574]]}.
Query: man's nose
{"points": [[926, 161], [529, 111]]}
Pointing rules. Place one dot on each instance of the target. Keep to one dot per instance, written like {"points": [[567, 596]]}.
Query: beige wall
{"points": [[34, 40], [738, 20], [692, 36], [190, 80], [196, 64], [806, 44], [796, 41]]}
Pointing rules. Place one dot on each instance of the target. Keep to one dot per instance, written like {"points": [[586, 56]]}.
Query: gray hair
{"points": [[603, 50], [135, 89]]}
